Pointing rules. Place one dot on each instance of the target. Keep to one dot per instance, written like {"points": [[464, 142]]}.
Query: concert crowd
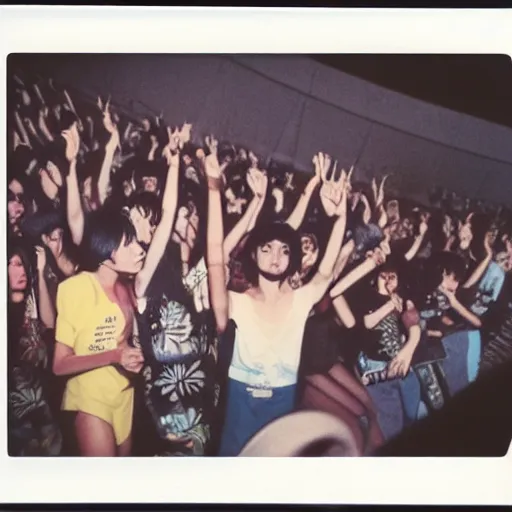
{"points": [[170, 294]]}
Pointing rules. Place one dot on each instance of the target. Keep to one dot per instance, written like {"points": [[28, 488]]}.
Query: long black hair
{"points": [[15, 248]]}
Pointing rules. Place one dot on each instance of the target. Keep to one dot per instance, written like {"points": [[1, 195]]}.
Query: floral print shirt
{"points": [[32, 428], [176, 337]]}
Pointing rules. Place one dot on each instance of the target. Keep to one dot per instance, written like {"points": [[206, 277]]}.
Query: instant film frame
{"points": [[241, 31]]}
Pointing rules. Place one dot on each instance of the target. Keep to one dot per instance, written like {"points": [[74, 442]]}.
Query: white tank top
{"points": [[267, 355]]}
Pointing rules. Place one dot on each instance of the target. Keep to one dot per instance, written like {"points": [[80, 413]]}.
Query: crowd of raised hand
{"points": [[415, 304]]}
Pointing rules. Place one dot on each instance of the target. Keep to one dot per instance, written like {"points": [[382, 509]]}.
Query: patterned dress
{"points": [[176, 337], [33, 430]]}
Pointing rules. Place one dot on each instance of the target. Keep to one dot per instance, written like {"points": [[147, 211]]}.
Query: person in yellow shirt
{"points": [[94, 324]]}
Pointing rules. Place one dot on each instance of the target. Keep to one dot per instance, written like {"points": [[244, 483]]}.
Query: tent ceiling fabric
{"points": [[294, 106]]}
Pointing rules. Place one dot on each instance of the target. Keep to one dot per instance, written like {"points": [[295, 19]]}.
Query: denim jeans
{"points": [[397, 403], [463, 349], [246, 415]]}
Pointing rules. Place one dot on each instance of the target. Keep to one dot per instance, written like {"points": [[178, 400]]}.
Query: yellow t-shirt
{"points": [[90, 323]]}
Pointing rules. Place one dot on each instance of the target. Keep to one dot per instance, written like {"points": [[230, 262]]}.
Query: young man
{"points": [[441, 312], [393, 334], [270, 317], [94, 324]]}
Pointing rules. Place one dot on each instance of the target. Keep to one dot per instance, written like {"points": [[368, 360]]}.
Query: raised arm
{"points": [[297, 216], [215, 240], [110, 149], [74, 210], [43, 114], [21, 129], [154, 147], [71, 106], [415, 247], [46, 307], [371, 263], [164, 229], [334, 191], [379, 204], [33, 131], [367, 214], [342, 259], [482, 267], [258, 183]]}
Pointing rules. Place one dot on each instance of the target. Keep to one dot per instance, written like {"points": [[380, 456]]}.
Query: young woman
{"points": [[392, 337], [175, 325], [270, 317], [32, 428], [94, 325], [15, 205], [46, 230]]}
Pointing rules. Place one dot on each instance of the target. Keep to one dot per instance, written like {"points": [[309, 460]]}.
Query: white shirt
{"points": [[267, 359]]}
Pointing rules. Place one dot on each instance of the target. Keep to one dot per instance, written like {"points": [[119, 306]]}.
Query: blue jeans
{"points": [[463, 351], [397, 403], [246, 414]]}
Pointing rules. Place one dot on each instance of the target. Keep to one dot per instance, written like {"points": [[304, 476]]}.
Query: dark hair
{"points": [[312, 237], [67, 118], [263, 234], [448, 263], [42, 223], [391, 265], [150, 205], [90, 167], [15, 248], [103, 235]]}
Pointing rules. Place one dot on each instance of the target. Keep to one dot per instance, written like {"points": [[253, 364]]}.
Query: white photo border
{"points": [[84, 29]]}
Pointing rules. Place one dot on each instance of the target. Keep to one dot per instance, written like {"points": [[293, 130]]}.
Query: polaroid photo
{"points": [[221, 223]]}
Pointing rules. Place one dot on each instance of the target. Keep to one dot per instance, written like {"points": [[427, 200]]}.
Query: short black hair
{"points": [[67, 118], [149, 204], [450, 264], [42, 223], [105, 230], [265, 233]]}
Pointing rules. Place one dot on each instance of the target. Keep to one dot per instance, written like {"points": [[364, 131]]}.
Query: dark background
{"points": [[479, 85]]}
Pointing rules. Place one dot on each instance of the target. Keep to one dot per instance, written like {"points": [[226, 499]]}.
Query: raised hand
{"points": [[423, 227], [109, 124], [185, 134], [254, 159], [258, 182], [289, 181], [212, 167], [41, 258], [170, 152], [333, 192], [489, 239], [72, 139], [212, 144], [379, 200], [378, 256], [174, 139], [322, 162]]}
